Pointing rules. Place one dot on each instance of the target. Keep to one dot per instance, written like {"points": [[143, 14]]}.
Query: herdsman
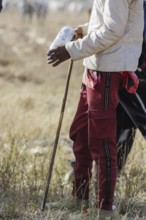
{"points": [[111, 49]]}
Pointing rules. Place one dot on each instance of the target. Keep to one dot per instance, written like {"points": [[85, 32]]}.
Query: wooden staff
{"points": [[57, 137]]}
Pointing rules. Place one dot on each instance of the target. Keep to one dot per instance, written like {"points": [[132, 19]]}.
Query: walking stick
{"points": [[57, 137]]}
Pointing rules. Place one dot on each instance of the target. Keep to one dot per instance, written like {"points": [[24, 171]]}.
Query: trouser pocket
{"points": [[102, 124]]}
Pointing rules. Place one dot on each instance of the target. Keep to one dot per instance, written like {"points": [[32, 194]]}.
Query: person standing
{"points": [[110, 49]]}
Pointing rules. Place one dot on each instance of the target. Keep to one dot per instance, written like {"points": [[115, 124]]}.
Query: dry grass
{"points": [[31, 95]]}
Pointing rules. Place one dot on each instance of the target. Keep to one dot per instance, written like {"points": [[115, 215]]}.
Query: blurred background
{"points": [[32, 91], [31, 94]]}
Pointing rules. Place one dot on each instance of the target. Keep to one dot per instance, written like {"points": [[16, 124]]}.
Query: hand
{"points": [[58, 55], [78, 33], [1, 6]]}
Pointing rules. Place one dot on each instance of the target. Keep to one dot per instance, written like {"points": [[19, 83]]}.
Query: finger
{"points": [[50, 62], [53, 57], [57, 63], [49, 58], [51, 52]]}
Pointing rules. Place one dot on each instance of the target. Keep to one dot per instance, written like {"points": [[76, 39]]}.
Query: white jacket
{"points": [[114, 38]]}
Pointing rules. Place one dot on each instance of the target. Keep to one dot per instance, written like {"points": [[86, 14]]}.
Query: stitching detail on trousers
{"points": [[108, 171], [107, 88]]}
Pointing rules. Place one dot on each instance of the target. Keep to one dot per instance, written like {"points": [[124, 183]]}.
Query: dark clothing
{"points": [[131, 114], [1, 5]]}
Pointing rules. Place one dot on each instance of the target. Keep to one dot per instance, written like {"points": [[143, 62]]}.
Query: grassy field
{"points": [[31, 94]]}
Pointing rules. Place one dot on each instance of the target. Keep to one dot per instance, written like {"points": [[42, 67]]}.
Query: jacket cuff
{"points": [[70, 48]]}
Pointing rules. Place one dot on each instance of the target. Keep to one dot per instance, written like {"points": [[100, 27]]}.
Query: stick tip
{"points": [[43, 208]]}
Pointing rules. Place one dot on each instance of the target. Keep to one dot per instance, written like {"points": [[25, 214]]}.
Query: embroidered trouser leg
{"points": [[94, 134]]}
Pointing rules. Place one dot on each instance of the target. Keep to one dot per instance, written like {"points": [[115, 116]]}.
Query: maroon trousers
{"points": [[94, 134]]}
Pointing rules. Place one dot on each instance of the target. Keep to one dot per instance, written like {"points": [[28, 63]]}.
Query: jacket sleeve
{"points": [[115, 18]]}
